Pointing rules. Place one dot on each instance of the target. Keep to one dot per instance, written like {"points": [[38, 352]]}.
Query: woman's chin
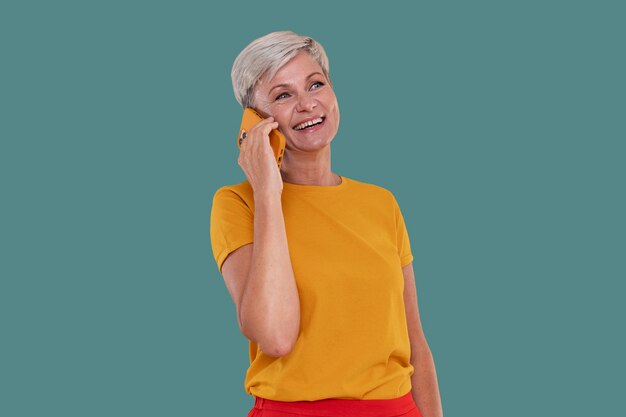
{"points": [[312, 140], [310, 143]]}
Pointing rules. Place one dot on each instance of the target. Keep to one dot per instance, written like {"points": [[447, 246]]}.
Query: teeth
{"points": [[309, 123]]}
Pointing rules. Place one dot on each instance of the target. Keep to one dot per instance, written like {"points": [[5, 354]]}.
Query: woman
{"points": [[319, 265]]}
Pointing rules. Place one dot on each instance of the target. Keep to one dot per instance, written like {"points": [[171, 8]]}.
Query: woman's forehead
{"points": [[301, 67]]}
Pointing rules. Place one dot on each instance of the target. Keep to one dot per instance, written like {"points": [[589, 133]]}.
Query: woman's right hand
{"points": [[257, 159]]}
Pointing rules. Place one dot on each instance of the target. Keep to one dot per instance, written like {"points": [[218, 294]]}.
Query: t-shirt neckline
{"points": [[307, 187]]}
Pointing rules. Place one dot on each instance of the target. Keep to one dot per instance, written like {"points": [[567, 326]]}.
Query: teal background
{"points": [[498, 125]]}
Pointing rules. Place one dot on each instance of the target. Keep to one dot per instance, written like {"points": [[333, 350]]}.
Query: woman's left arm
{"points": [[425, 389]]}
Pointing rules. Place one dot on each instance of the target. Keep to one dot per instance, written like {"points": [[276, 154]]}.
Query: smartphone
{"points": [[277, 140]]}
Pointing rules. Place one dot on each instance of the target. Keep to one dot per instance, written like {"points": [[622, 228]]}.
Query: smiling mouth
{"points": [[307, 127]]}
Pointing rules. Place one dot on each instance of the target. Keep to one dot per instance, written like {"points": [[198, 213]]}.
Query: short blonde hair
{"points": [[266, 55]]}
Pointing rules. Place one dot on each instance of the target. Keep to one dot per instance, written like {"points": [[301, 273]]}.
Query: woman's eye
{"points": [[280, 96]]}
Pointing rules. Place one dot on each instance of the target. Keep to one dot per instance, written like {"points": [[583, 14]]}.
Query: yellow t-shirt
{"points": [[348, 244]]}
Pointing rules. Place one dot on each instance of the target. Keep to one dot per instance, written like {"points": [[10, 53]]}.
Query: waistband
{"points": [[333, 407]]}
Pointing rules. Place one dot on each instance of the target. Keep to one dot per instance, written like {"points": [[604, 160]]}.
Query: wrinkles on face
{"points": [[299, 91]]}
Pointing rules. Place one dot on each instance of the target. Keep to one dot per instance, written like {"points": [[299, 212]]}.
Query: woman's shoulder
{"points": [[243, 186], [371, 188], [242, 190]]}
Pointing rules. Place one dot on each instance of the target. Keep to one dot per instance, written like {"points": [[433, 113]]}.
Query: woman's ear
{"points": [[261, 107], [262, 112]]}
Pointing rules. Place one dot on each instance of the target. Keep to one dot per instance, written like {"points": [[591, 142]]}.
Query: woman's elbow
{"points": [[277, 343], [271, 346], [276, 350], [280, 344]]}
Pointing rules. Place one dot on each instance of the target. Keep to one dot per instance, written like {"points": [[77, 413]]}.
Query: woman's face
{"points": [[300, 92]]}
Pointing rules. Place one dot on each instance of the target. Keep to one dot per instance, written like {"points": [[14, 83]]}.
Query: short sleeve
{"points": [[402, 237], [232, 224]]}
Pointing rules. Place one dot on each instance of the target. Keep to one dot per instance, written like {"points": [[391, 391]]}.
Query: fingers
{"points": [[265, 125], [256, 145], [260, 129]]}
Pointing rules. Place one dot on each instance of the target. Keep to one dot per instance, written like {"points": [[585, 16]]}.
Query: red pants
{"points": [[396, 407]]}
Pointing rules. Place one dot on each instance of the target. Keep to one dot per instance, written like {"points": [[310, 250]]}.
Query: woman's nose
{"points": [[306, 103]]}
